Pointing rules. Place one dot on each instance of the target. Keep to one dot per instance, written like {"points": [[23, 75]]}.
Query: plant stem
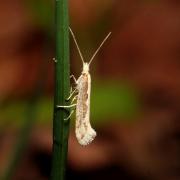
{"points": [[61, 127]]}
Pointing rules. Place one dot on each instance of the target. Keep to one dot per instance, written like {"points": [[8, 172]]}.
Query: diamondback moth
{"points": [[85, 134]]}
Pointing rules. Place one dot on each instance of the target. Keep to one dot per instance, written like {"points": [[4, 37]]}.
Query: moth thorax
{"points": [[85, 68]]}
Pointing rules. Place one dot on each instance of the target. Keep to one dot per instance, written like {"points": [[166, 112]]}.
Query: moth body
{"points": [[84, 132]]}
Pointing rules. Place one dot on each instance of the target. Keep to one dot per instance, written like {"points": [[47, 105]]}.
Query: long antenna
{"points": [[99, 48], [74, 38]]}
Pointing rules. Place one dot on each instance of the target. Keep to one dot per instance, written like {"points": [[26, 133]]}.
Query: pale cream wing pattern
{"points": [[85, 134]]}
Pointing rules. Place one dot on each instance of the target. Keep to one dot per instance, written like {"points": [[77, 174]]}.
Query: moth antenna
{"points": [[74, 38], [99, 47]]}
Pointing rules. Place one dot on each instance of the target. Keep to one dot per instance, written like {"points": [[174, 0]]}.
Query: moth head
{"points": [[85, 67]]}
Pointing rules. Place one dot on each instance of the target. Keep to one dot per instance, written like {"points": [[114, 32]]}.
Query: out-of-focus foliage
{"points": [[113, 100], [41, 12]]}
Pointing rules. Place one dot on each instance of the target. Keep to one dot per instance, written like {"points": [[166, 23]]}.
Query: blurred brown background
{"points": [[135, 89]]}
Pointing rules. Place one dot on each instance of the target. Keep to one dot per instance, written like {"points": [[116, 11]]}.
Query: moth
{"points": [[85, 134]]}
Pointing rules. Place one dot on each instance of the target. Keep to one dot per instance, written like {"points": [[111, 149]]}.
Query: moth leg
{"points": [[69, 115], [72, 76], [66, 107], [71, 90], [74, 98], [71, 94]]}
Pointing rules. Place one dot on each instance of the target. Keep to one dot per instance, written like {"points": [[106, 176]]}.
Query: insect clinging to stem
{"points": [[85, 134]]}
